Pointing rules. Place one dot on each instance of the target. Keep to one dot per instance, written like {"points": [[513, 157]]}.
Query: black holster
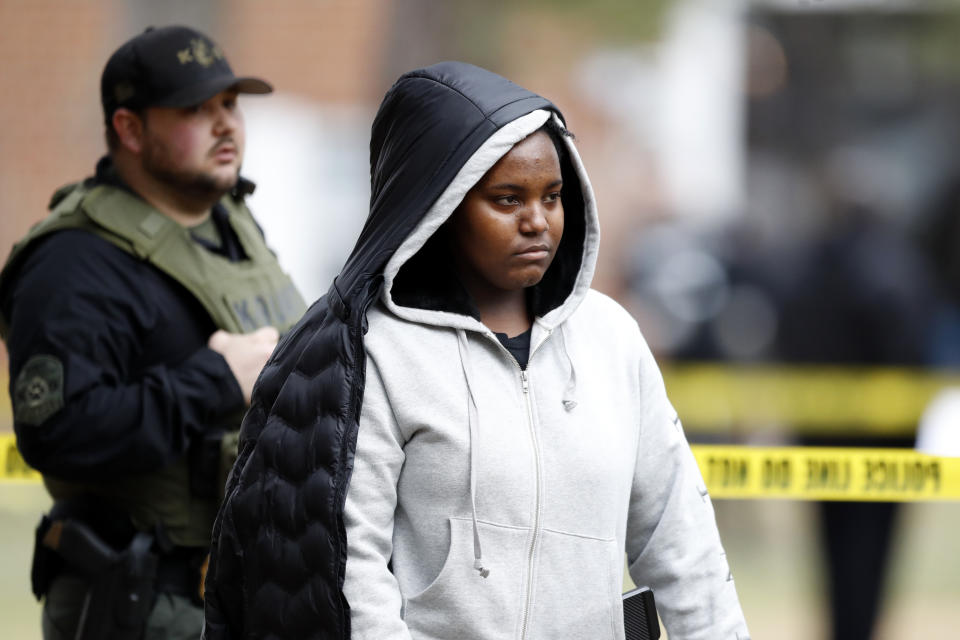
{"points": [[47, 563], [121, 592]]}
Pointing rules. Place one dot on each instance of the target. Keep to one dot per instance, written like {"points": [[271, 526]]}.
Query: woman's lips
{"points": [[537, 252]]}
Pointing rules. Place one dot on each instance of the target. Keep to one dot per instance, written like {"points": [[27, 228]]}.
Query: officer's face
{"points": [[199, 148]]}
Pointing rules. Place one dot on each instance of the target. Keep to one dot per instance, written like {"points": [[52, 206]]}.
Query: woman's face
{"points": [[507, 229]]}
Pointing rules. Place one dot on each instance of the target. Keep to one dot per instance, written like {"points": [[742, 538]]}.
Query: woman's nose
{"points": [[534, 219]]}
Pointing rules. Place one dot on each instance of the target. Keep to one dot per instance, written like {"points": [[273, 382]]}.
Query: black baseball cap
{"points": [[172, 66]]}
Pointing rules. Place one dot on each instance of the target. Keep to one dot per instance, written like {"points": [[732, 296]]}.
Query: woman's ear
{"points": [[129, 129]]}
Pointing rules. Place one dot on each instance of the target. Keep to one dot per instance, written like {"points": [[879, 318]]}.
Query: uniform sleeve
{"points": [[673, 545], [77, 324], [369, 586]]}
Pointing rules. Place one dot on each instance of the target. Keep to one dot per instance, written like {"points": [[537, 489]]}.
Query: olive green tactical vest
{"points": [[239, 296]]}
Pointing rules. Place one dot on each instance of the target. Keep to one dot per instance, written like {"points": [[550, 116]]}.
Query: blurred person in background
{"points": [[137, 316], [462, 438], [860, 295]]}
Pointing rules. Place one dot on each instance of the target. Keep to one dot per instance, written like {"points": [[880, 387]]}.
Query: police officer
{"points": [[137, 317]]}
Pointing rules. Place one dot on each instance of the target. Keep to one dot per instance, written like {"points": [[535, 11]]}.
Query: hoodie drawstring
{"points": [[473, 423], [569, 393], [473, 420]]}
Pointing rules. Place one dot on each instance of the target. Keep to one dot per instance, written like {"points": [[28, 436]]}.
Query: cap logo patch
{"points": [[200, 52], [38, 391]]}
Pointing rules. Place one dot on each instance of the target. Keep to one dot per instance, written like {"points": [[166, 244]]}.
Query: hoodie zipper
{"points": [[531, 423], [525, 383]]}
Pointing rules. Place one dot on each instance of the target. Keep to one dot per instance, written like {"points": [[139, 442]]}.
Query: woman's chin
{"points": [[530, 280]]}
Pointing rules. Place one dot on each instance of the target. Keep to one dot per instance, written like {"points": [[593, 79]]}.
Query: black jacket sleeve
{"points": [[137, 378]]}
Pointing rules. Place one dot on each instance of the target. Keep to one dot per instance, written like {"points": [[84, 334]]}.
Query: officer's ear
{"points": [[128, 127]]}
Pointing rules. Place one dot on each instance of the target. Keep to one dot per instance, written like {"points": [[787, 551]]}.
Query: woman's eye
{"points": [[553, 197], [508, 201]]}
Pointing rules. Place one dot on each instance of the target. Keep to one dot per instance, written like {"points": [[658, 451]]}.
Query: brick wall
{"points": [[51, 54], [323, 50]]}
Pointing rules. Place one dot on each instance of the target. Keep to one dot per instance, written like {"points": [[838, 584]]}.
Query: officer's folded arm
{"points": [[77, 414]]}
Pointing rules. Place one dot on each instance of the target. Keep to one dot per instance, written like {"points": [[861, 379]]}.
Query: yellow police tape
{"points": [[828, 473], [807, 399], [12, 467], [796, 473]]}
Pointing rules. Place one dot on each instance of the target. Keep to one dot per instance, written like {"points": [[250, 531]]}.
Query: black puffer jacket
{"points": [[279, 547]]}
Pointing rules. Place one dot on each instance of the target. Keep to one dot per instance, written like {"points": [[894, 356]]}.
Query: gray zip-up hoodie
{"points": [[488, 502]]}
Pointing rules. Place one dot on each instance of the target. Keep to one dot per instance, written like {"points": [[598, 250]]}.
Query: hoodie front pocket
{"points": [[577, 589], [461, 604]]}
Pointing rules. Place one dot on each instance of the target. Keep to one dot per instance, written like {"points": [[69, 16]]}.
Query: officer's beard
{"points": [[201, 187]]}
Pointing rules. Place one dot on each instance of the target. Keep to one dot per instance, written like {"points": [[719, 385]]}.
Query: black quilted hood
{"points": [[279, 547]]}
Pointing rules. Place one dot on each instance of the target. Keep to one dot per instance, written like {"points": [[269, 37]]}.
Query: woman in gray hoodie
{"points": [[511, 448], [512, 437]]}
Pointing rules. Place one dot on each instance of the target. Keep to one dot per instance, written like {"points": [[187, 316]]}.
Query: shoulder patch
{"points": [[38, 391]]}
